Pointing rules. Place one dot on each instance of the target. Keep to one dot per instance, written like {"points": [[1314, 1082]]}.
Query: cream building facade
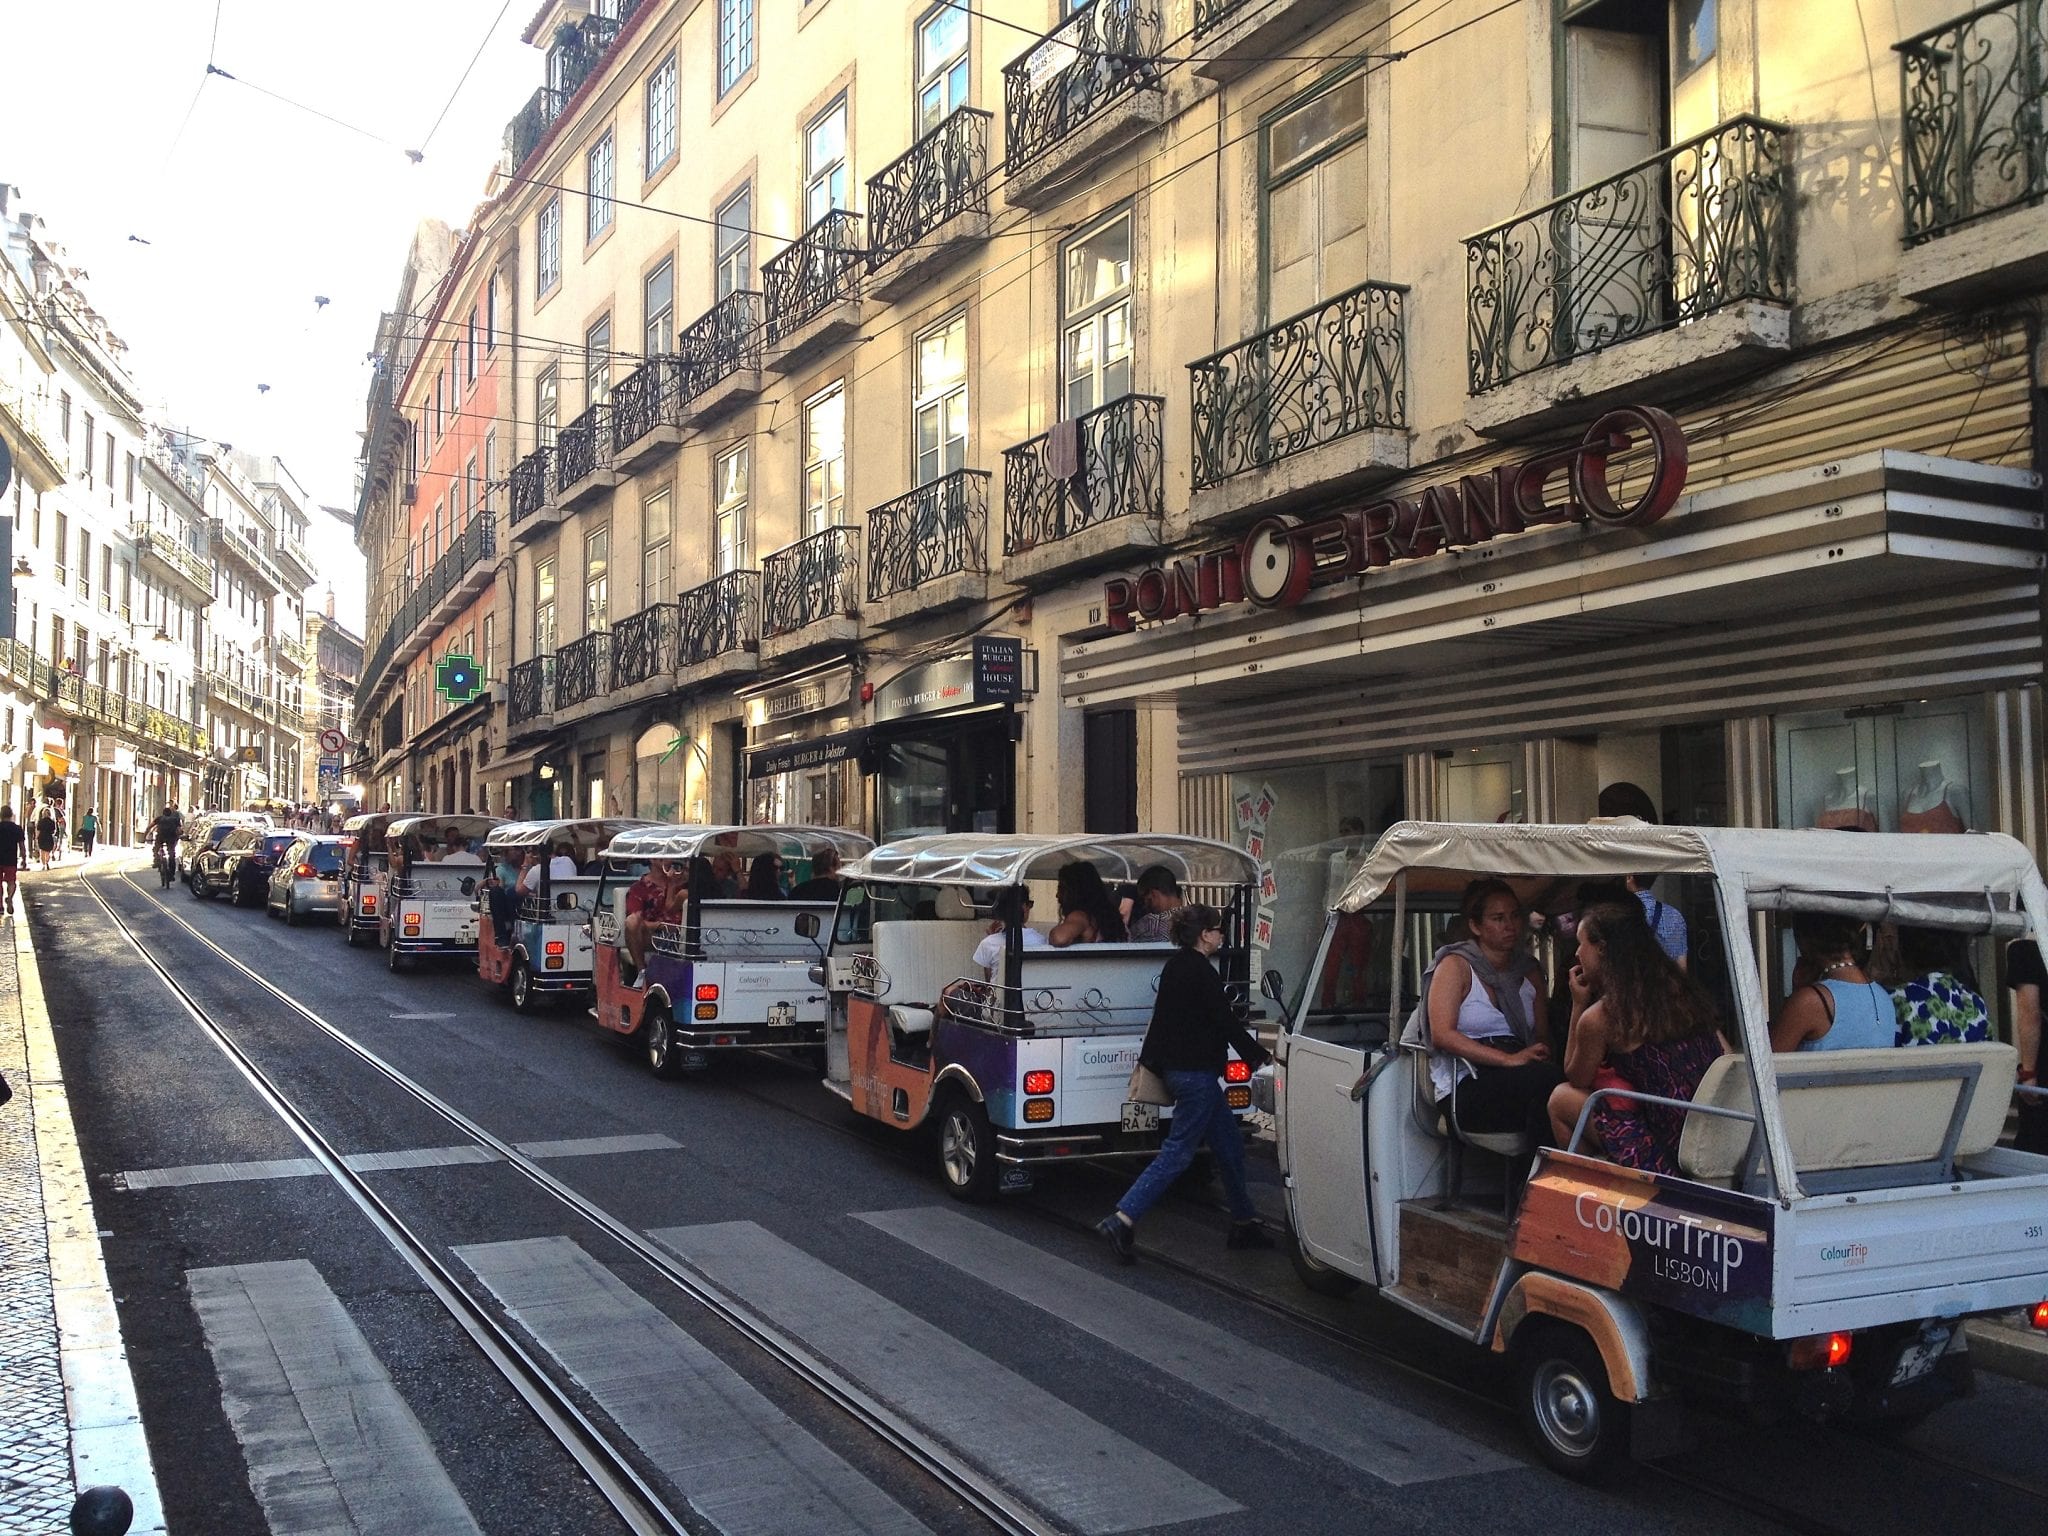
{"points": [[878, 378]]}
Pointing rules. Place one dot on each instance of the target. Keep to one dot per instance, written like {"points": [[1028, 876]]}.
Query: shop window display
{"points": [[658, 776], [1912, 768], [1481, 784]]}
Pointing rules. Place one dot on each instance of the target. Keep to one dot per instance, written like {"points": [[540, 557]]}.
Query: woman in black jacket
{"points": [[1192, 1024]]}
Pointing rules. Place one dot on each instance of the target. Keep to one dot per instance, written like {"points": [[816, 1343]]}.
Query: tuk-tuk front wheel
{"points": [[1318, 1277], [967, 1148], [524, 998], [658, 1040], [1578, 1425]]}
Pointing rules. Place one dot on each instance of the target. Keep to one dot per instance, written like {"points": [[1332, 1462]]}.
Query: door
{"points": [[1616, 285], [1322, 1131]]}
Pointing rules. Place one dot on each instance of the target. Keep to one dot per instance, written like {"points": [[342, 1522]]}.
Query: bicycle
{"points": [[166, 863]]}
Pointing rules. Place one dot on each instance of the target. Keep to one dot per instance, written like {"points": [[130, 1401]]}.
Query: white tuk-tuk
{"points": [[434, 873], [364, 863], [1028, 1066], [1837, 1214], [533, 930]]}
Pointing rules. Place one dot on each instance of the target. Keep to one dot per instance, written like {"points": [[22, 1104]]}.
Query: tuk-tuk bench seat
{"points": [[917, 958], [1104, 986], [1858, 1119], [757, 930]]}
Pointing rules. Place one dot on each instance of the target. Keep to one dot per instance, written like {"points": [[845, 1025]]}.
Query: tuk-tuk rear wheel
{"points": [[658, 1041], [524, 997], [1578, 1425], [967, 1148]]}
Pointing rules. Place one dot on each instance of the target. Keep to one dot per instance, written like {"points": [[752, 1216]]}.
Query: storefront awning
{"points": [[793, 756], [513, 765], [58, 765]]}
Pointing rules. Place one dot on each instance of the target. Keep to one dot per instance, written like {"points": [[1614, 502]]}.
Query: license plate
{"points": [[781, 1015], [468, 935], [1918, 1358], [1141, 1117]]}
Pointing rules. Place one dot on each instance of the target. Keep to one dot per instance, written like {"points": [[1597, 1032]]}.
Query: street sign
{"points": [[332, 742], [456, 678]]}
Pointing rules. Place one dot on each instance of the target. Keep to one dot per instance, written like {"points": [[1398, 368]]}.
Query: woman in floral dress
{"points": [[1938, 1002]]}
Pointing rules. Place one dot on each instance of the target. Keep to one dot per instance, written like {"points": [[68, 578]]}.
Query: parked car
{"points": [[248, 867], [205, 831], [307, 879]]}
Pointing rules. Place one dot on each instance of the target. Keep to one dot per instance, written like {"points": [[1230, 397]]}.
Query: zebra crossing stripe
{"points": [[331, 1446], [741, 1463], [1084, 1475], [1366, 1432]]}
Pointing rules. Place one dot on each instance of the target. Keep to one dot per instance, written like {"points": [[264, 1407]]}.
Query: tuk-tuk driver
{"points": [[455, 849], [655, 898], [562, 863]]}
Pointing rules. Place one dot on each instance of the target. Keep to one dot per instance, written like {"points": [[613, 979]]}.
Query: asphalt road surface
{"points": [[296, 1374]]}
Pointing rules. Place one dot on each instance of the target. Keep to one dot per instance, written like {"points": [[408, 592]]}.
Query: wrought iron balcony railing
{"points": [[161, 544], [529, 490], [108, 705], [579, 48], [644, 645], [722, 615], [1975, 140], [529, 691], [723, 341], [1697, 227], [582, 670], [1100, 54], [1117, 472], [813, 579], [578, 448], [941, 176], [806, 278], [1211, 14], [644, 399], [936, 530], [1320, 375]]}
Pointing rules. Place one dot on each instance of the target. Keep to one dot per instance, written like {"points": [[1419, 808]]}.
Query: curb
{"points": [[107, 1440], [2007, 1350]]}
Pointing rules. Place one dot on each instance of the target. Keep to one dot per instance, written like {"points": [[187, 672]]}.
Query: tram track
{"points": [[611, 1472]]}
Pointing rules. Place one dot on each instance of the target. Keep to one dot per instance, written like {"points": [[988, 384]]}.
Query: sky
{"points": [[253, 208]]}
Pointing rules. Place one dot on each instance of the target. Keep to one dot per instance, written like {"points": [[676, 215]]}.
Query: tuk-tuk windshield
{"points": [[864, 903]]}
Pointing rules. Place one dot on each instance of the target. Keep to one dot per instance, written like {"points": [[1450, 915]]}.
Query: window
{"points": [[469, 357], [1095, 315], [656, 569], [469, 491], [437, 533], [824, 459], [491, 313], [490, 466], [544, 608], [489, 660], [439, 425], [64, 423], [825, 163], [735, 42], [658, 295], [598, 172], [84, 563], [597, 363], [597, 551], [547, 404], [107, 576], [729, 517], [110, 469], [733, 239], [63, 547], [1315, 225], [91, 442], [939, 403], [547, 258], [941, 66], [661, 114], [127, 480]]}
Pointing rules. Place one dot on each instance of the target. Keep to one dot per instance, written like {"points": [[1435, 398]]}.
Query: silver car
{"points": [[307, 879]]}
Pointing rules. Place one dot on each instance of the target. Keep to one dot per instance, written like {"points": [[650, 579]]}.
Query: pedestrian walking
{"points": [[1192, 1023], [46, 835], [63, 831], [89, 831], [13, 850]]}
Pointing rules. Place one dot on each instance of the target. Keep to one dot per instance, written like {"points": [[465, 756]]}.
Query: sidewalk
{"points": [[71, 1420]]}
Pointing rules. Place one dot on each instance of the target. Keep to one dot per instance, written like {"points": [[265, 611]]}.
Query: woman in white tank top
{"points": [[1490, 1046]]}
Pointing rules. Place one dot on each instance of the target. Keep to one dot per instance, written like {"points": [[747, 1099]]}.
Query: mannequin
{"points": [[1849, 807], [1931, 803]]}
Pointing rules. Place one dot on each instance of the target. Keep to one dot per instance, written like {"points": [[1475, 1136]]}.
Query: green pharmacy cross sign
{"points": [[457, 679]]}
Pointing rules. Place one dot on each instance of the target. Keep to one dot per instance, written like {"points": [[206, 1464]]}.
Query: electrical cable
{"points": [[489, 32]]}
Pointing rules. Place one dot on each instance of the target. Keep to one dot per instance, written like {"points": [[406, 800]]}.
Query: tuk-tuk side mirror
{"points": [[807, 925], [1274, 987]]}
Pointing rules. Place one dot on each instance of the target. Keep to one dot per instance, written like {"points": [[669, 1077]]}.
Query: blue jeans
{"points": [[1199, 1115]]}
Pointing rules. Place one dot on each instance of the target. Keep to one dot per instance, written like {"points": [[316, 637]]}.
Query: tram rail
{"points": [[611, 1472]]}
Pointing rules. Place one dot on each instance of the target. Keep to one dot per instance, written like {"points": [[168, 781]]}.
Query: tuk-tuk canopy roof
{"points": [[1773, 867], [788, 839], [586, 833], [968, 858], [435, 828]]}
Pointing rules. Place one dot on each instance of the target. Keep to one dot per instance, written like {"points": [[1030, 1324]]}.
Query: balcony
{"points": [[719, 358], [811, 291], [1087, 88], [21, 424], [718, 630], [529, 696], [1089, 501], [245, 551], [571, 61], [928, 550], [583, 459], [142, 723], [295, 560], [583, 672], [1234, 36], [165, 555], [810, 594], [292, 651], [647, 414], [643, 653], [1315, 404], [930, 206], [1975, 152], [1695, 241], [534, 509]]}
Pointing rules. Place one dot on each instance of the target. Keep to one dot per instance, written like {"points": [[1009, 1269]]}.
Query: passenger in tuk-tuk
{"points": [[654, 899], [704, 883], [1833, 1004], [1933, 986], [725, 874], [1490, 1052], [1155, 899], [764, 879], [562, 861], [1087, 914], [455, 849], [824, 882], [1638, 1022]]}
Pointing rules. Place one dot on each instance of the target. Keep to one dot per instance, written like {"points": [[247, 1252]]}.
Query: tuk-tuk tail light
{"points": [[1037, 1111], [1237, 1072], [707, 991], [1239, 1097], [2037, 1315], [369, 903], [412, 926], [557, 947], [707, 1010], [1820, 1351], [1037, 1083]]}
